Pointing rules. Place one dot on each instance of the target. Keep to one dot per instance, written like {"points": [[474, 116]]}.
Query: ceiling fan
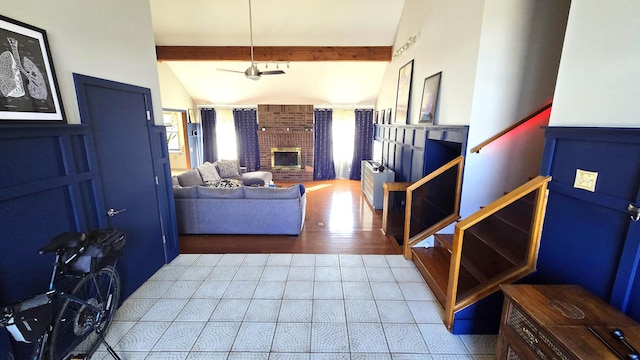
{"points": [[253, 72]]}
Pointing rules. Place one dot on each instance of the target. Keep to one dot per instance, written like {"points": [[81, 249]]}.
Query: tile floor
{"points": [[288, 306]]}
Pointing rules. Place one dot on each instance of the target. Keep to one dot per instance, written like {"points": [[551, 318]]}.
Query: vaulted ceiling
{"points": [[334, 52]]}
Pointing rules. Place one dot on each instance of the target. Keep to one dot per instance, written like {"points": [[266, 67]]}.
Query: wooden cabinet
{"points": [[372, 180], [558, 322]]}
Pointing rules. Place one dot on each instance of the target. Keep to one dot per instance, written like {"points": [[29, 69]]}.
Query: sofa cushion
{"points": [[189, 192], [174, 181], [208, 172], [291, 192], [190, 178], [256, 178], [220, 193], [228, 168]]}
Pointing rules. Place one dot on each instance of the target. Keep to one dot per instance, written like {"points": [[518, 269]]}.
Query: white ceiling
{"points": [[279, 23]]}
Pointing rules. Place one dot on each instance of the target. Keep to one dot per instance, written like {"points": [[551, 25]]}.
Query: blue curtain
{"points": [[209, 143], [322, 145], [363, 141], [246, 124]]}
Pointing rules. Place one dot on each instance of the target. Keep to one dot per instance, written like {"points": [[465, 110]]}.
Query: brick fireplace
{"points": [[286, 126]]}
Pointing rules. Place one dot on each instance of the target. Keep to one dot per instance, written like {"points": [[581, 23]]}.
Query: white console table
{"points": [[372, 181]]}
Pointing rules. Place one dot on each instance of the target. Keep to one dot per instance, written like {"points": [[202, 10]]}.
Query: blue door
{"points": [[120, 118]]}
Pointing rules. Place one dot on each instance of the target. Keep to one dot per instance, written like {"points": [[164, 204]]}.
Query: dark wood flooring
{"points": [[339, 220]]}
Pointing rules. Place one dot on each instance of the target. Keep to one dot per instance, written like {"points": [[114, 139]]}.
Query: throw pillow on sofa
{"points": [[228, 168], [190, 178], [208, 172]]}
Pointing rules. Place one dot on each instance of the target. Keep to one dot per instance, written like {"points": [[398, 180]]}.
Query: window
{"points": [[343, 133], [226, 135], [172, 121]]}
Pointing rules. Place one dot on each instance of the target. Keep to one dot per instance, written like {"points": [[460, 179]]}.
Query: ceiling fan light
{"points": [[252, 72]]}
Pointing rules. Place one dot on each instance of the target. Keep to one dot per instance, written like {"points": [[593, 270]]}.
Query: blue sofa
{"points": [[241, 210]]}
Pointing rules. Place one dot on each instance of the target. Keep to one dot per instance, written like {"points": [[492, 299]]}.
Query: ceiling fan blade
{"points": [[233, 71], [272, 72]]}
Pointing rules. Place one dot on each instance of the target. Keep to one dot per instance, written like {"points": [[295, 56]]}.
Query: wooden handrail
{"points": [[503, 132]]}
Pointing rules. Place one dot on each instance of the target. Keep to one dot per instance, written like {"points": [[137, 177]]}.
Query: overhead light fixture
{"points": [[409, 43], [274, 64]]}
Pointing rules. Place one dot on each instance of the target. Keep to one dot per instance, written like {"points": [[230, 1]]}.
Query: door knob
{"points": [[111, 212], [635, 212]]}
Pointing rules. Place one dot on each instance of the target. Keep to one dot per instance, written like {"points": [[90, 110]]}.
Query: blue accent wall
{"points": [[413, 151], [165, 191], [50, 184], [588, 237], [47, 186]]}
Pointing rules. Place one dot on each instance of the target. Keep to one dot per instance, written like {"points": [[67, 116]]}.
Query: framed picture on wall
{"points": [[388, 116], [382, 117], [375, 117], [403, 97], [429, 103], [28, 83]]}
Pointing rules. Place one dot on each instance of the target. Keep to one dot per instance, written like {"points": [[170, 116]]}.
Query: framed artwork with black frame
{"points": [[403, 97], [430, 93], [375, 117], [382, 117], [28, 86], [388, 116]]}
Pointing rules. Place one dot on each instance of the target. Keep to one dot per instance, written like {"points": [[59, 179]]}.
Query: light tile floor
{"points": [[288, 306]]}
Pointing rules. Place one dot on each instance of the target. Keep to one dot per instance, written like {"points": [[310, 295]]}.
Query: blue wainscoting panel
{"points": [[46, 187], [407, 150], [165, 192], [483, 317], [588, 237]]}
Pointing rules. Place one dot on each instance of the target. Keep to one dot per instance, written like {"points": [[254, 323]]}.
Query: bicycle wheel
{"points": [[76, 326]]}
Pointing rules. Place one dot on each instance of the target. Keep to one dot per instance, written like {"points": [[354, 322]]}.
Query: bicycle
{"points": [[84, 264]]}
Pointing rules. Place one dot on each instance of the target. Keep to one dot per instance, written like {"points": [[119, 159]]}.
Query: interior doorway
{"points": [[175, 122]]}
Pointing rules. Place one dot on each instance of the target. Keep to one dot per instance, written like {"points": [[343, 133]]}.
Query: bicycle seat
{"points": [[64, 241]]}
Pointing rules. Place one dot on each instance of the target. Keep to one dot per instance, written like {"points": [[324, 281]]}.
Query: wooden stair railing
{"points": [[495, 137], [496, 245], [431, 204]]}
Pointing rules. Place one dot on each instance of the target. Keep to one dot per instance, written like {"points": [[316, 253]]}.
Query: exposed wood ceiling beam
{"points": [[274, 53]]}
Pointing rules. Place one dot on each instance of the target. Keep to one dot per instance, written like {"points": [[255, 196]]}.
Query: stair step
{"points": [[433, 265], [444, 240], [505, 239]]}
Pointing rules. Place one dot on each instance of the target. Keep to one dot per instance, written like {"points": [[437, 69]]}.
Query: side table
{"points": [[561, 322]]}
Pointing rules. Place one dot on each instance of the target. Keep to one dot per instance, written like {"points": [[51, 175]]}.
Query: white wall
{"points": [[520, 47], [105, 39], [499, 61], [174, 95], [448, 41], [599, 78]]}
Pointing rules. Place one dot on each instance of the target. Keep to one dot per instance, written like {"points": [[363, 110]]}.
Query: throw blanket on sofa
{"points": [[224, 183]]}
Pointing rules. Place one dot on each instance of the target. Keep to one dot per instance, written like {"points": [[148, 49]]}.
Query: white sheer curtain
{"points": [[344, 125], [226, 135]]}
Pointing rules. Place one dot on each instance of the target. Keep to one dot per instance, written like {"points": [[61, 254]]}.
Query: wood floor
{"points": [[339, 220]]}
